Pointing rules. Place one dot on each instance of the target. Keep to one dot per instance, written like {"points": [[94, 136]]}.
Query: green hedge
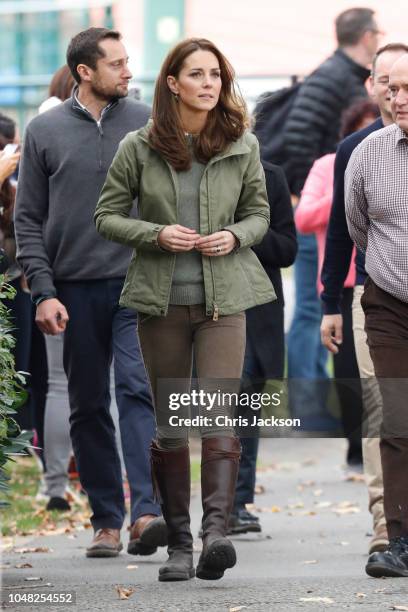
{"points": [[12, 393]]}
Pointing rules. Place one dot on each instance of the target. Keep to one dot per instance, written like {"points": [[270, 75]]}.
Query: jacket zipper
{"points": [[98, 125], [174, 256], [100, 130], [215, 307]]}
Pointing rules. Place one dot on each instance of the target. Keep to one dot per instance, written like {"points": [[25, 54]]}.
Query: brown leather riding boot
{"points": [[219, 470], [171, 479]]}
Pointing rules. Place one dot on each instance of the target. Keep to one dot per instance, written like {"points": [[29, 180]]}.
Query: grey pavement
{"points": [[310, 555]]}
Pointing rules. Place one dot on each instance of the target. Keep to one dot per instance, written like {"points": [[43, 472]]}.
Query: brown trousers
{"points": [[386, 324], [168, 345]]}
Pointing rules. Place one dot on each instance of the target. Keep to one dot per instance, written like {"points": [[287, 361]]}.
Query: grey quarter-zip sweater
{"points": [[65, 159]]}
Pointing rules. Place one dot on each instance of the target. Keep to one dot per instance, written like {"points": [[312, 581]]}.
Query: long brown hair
{"points": [[62, 83], [225, 123]]}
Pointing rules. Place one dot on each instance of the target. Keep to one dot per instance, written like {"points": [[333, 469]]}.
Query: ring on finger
{"points": [[218, 249]]}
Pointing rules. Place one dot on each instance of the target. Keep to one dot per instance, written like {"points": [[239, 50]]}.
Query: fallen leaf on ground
{"points": [[350, 510], [132, 567], [259, 489], [308, 483], [309, 462], [22, 565], [317, 492], [402, 608], [237, 608], [354, 477], [125, 592], [6, 543], [311, 562], [346, 507], [287, 466], [346, 504], [323, 504], [41, 512], [296, 505], [344, 543], [33, 578], [326, 600], [361, 595], [36, 549]]}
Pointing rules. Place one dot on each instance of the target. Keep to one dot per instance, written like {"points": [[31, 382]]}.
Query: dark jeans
{"points": [[257, 369], [30, 356], [386, 324], [98, 330], [346, 368]]}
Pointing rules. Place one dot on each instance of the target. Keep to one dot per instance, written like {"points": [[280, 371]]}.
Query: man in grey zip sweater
{"points": [[76, 277]]}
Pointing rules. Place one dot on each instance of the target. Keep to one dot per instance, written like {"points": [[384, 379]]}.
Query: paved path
{"points": [[313, 545]]}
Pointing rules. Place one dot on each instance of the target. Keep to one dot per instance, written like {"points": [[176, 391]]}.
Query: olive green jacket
{"points": [[232, 197]]}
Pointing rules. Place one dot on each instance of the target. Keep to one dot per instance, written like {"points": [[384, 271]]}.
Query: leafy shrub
{"points": [[12, 394]]}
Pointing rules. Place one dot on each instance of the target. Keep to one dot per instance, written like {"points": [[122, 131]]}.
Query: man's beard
{"points": [[105, 93]]}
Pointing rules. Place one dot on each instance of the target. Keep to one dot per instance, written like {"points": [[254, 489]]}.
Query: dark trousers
{"points": [[386, 324], [30, 356], [264, 359], [346, 368], [98, 330]]}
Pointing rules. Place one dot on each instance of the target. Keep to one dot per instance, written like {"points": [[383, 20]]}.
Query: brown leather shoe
{"points": [[146, 534], [106, 543]]}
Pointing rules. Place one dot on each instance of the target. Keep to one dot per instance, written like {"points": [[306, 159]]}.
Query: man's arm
{"points": [[358, 221], [279, 246], [339, 246], [30, 213]]}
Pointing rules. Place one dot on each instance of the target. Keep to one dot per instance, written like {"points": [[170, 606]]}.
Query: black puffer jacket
{"points": [[313, 124]]}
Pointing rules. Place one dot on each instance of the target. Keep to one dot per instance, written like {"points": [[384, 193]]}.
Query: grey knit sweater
{"points": [[188, 282]]}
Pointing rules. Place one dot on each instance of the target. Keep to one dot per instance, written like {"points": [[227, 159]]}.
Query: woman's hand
{"points": [[177, 238], [219, 243], [8, 164]]}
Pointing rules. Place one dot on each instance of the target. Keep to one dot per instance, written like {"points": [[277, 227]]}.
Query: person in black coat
{"points": [[312, 127], [311, 130], [265, 347]]}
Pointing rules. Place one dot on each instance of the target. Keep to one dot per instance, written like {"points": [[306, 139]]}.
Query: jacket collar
{"points": [[74, 104], [238, 147], [360, 71]]}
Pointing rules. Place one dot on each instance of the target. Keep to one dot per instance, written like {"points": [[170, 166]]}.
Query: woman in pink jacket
{"points": [[312, 216]]}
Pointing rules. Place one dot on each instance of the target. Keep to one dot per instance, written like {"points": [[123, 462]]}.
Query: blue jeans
{"points": [[307, 357], [98, 330]]}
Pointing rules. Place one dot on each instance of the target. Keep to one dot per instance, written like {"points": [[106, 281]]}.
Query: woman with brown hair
{"points": [[201, 205]]}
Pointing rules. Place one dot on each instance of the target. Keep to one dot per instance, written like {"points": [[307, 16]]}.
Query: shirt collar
{"points": [[76, 101], [400, 135], [80, 103]]}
